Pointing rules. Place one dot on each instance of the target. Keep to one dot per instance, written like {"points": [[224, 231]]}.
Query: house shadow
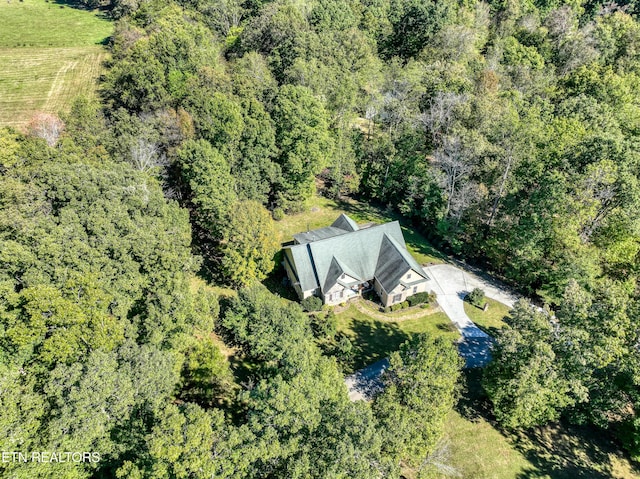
{"points": [[278, 283]]}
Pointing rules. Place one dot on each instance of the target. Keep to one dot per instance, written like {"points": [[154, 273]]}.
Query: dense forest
{"points": [[507, 132]]}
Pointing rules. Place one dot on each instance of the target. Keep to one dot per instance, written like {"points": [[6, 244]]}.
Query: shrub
{"points": [[344, 347], [324, 325], [387, 309], [476, 297], [312, 303], [404, 304], [395, 307], [278, 214], [418, 298]]}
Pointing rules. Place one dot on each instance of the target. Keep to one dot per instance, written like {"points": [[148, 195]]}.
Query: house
{"points": [[341, 261]]}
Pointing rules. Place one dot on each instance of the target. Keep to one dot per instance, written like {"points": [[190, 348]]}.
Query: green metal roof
{"points": [[375, 252]]}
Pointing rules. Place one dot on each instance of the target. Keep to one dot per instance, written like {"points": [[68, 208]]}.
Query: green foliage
{"points": [[420, 388], [450, 124], [525, 380], [414, 25], [304, 140], [269, 329], [419, 298], [312, 303], [250, 244], [207, 176], [324, 325], [476, 297], [206, 374], [278, 214]]}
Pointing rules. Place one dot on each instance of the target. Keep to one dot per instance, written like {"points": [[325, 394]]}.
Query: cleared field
{"points": [[49, 54], [476, 448], [36, 23], [45, 79]]}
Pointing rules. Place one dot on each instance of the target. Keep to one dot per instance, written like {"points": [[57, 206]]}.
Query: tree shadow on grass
{"points": [[474, 403], [558, 451], [374, 340], [563, 451]]}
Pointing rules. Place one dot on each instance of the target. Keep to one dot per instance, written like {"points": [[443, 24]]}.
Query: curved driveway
{"points": [[451, 285]]}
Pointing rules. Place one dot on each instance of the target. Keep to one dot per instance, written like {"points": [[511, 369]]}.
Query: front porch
{"points": [[343, 293]]}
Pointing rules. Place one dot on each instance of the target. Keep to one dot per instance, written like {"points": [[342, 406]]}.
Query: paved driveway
{"points": [[366, 383], [451, 285]]}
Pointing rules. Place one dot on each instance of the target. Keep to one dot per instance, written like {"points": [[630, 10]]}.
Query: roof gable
{"points": [[342, 225], [345, 223], [363, 254]]}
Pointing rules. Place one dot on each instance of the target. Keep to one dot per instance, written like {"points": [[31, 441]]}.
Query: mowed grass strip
{"points": [[49, 54]]}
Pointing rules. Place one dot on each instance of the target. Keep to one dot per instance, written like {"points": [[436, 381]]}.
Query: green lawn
{"points": [[490, 320], [36, 23], [49, 54], [477, 449], [374, 339], [321, 212]]}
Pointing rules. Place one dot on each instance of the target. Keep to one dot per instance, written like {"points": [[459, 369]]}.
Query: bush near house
{"points": [[324, 324], [419, 298], [312, 303]]}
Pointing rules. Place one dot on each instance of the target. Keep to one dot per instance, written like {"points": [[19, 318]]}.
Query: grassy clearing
{"points": [[36, 23], [197, 282], [49, 54], [321, 212], [374, 339], [490, 320], [478, 449]]}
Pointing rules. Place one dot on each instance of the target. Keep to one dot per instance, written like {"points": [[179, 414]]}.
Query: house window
{"points": [[343, 276], [397, 297], [415, 289], [408, 275]]}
